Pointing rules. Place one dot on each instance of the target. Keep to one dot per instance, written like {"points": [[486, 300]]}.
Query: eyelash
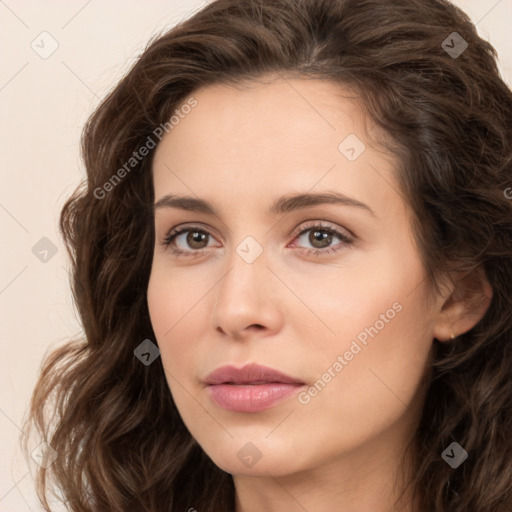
{"points": [[173, 233]]}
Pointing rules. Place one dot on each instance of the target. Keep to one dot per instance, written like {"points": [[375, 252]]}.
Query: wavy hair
{"points": [[121, 443]]}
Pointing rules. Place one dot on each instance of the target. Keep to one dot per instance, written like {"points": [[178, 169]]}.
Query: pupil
{"points": [[195, 237], [319, 236]]}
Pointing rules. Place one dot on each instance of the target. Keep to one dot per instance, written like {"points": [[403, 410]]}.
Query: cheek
{"points": [[172, 304], [174, 294], [175, 311], [374, 387], [367, 292], [382, 333]]}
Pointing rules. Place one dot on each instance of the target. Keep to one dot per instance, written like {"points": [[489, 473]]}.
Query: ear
{"points": [[468, 300]]}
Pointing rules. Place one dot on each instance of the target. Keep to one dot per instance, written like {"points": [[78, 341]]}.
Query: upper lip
{"points": [[249, 374]]}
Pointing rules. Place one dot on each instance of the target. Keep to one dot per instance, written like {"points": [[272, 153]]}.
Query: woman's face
{"points": [[267, 279]]}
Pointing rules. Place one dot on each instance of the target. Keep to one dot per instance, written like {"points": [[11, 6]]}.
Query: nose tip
{"points": [[246, 301], [240, 334]]}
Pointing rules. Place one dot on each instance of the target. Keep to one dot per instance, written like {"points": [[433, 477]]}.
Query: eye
{"points": [[193, 241], [320, 237], [192, 236]]}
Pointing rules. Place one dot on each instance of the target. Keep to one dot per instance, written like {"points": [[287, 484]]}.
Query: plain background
{"points": [[44, 103]]}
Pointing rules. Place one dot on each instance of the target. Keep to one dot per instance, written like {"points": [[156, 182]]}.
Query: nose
{"points": [[247, 300]]}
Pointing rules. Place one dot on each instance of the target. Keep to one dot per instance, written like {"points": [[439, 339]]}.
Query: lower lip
{"points": [[247, 398]]}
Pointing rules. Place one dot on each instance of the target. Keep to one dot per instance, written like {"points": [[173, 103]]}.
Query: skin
{"points": [[240, 149]]}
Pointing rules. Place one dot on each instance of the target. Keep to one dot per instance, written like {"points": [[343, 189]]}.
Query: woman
{"points": [[292, 260]]}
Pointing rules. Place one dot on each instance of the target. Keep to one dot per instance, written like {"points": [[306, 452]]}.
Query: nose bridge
{"points": [[243, 297], [247, 269]]}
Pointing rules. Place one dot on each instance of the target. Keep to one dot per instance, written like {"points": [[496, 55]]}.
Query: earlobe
{"points": [[465, 307]]}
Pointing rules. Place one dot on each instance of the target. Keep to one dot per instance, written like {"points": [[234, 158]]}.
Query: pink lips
{"points": [[251, 388]]}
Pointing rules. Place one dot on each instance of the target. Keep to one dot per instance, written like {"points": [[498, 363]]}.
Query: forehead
{"points": [[284, 135], [283, 111]]}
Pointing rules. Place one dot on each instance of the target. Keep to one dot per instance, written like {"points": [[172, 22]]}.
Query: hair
{"points": [[120, 440]]}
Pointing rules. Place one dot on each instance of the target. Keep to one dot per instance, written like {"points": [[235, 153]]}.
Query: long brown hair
{"points": [[121, 443]]}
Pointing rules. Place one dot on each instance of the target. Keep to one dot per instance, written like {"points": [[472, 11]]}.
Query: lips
{"points": [[252, 388], [249, 374]]}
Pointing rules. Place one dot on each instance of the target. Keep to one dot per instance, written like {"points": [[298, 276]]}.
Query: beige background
{"points": [[43, 106]]}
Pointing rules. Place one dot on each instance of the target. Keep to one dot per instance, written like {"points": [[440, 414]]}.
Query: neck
{"points": [[369, 477]]}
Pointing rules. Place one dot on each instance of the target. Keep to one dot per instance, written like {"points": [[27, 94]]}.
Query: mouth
{"points": [[251, 388], [250, 374]]}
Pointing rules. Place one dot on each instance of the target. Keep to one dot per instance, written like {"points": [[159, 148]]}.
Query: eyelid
{"points": [[190, 226], [183, 228], [338, 231]]}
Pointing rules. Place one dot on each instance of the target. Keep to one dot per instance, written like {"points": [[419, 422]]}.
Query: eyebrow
{"points": [[282, 205]]}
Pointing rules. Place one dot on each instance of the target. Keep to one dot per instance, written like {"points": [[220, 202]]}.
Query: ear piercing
{"points": [[451, 334]]}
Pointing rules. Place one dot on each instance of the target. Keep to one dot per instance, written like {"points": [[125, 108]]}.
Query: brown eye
{"points": [[187, 239], [195, 239], [320, 239]]}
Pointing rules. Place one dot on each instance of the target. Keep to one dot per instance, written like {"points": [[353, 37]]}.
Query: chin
{"points": [[254, 458]]}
